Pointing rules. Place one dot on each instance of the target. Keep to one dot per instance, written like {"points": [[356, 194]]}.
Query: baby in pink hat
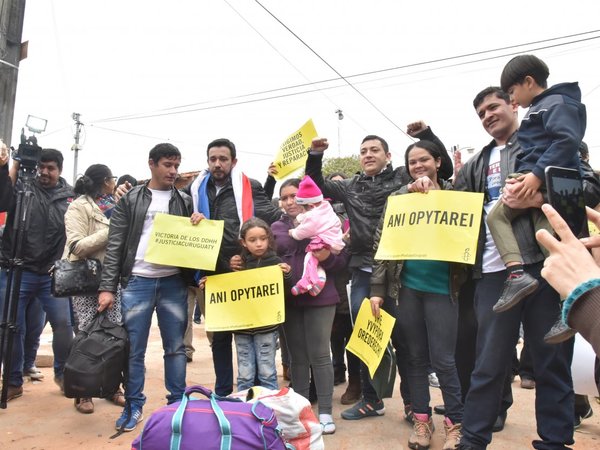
{"points": [[322, 226]]}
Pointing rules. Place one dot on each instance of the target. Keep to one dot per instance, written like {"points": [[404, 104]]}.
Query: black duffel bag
{"points": [[97, 363]]}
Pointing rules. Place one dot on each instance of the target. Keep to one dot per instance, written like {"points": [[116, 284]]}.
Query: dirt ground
{"points": [[42, 419]]}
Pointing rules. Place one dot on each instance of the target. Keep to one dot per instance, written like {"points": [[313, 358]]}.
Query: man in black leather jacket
{"points": [[364, 197], [146, 286], [497, 334], [218, 194], [43, 243]]}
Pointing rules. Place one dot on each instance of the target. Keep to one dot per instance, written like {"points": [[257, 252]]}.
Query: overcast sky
{"points": [[130, 59]]}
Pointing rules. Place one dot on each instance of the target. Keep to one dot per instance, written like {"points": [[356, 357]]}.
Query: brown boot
{"points": [[353, 391], [423, 428], [84, 405], [453, 435], [118, 398]]}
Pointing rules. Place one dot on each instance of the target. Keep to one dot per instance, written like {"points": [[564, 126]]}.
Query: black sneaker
{"points": [[499, 424], [578, 418], [515, 289], [559, 332]]}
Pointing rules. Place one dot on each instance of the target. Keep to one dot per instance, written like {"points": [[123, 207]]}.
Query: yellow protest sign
{"points": [[294, 150], [247, 299], [174, 241], [438, 226], [370, 336]]}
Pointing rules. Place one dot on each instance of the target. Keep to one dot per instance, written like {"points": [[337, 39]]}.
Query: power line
{"points": [[354, 88], [321, 91], [178, 109], [134, 134]]}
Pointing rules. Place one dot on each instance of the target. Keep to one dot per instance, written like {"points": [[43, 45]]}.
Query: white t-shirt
{"points": [[491, 258], [159, 204]]}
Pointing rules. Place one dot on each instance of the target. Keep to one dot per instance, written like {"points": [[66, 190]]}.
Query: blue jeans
{"points": [[360, 288], [30, 321], [497, 336], [139, 299], [34, 316], [256, 351], [430, 322]]}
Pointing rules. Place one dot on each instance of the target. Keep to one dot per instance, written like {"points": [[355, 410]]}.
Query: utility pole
{"points": [[76, 147], [12, 13]]}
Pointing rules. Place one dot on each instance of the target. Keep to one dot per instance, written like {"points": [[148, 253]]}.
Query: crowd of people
{"points": [[457, 320]]}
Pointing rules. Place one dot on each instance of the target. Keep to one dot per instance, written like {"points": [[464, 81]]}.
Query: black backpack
{"points": [[97, 363]]}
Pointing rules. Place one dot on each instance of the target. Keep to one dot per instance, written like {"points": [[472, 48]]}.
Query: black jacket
{"points": [[268, 259], [552, 130], [472, 178], [364, 198], [126, 225], [44, 239]]}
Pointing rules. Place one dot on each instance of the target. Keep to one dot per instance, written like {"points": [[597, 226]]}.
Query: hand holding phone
{"points": [[565, 194]]}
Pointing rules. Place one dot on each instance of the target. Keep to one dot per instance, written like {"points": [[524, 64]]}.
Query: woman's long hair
{"points": [[92, 182]]}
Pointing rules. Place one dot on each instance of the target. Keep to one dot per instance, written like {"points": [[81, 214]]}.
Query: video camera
{"points": [[28, 154]]}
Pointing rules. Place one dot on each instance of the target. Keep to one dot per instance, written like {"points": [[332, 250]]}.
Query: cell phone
{"points": [[565, 194]]}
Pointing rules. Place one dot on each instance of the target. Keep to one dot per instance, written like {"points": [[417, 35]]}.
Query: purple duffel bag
{"points": [[219, 423]]}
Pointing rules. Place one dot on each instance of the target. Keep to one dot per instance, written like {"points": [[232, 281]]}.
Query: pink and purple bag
{"points": [[219, 423]]}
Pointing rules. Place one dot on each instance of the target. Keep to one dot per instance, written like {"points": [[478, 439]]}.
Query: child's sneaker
{"points": [[559, 332], [516, 288]]}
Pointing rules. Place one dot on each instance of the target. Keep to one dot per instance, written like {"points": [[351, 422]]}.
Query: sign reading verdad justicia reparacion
{"points": [[293, 152]]}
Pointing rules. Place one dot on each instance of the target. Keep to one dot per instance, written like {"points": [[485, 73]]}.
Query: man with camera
{"points": [[43, 241]]}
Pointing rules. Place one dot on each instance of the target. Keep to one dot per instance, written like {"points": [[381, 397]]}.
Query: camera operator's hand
{"points": [[4, 154], [106, 299]]}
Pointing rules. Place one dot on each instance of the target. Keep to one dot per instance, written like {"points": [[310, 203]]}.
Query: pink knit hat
{"points": [[308, 192]]}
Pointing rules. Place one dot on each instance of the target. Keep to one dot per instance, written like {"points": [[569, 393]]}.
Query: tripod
{"points": [[8, 326]]}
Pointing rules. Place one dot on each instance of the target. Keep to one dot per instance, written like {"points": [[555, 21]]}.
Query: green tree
{"points": [[347, 165]]}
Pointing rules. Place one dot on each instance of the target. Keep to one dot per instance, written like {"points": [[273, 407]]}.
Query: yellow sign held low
{"points": [[293, 152], [247, 299], [370, 336], [174, 241], [437, 226]]}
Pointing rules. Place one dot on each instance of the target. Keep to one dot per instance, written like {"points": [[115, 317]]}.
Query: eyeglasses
{"points": [[111, 178]]}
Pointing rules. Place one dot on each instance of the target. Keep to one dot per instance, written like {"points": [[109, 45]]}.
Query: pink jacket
{"points": [[321, 222]]}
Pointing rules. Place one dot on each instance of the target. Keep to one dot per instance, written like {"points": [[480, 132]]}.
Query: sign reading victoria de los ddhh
{"points": [[439, 226]]}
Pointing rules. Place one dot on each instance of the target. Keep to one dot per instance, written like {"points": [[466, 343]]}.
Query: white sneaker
{"points": [[34, 373], [433, 380]]}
